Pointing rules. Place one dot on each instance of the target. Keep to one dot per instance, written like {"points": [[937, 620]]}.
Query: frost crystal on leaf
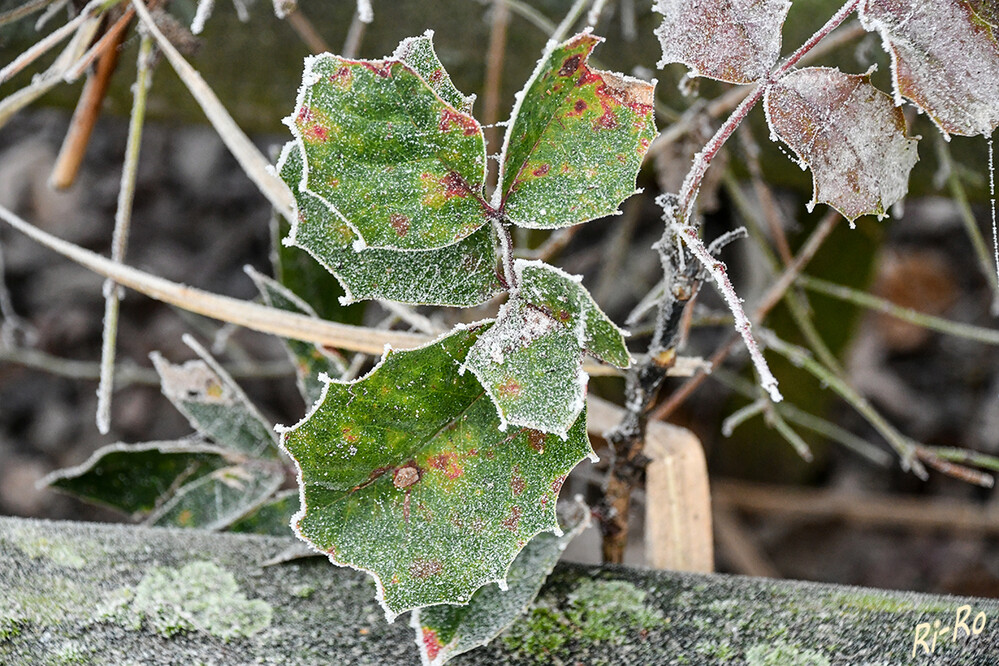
{"points": [[531, 361], [576, 141], [405, 474], [945, 58], [730, 40], [403, 167], [462, 274], [445, 631], [849, 133]]}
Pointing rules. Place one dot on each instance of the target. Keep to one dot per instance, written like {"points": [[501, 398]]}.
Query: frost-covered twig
{"points": [[119, 241], [42, 46], [719, 273]]}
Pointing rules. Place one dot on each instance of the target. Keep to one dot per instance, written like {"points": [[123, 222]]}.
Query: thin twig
{"points": [[738, 546], [355, 33], [43, 45], [27, 9], [122, 221], [88, 109], [249, 157], [303, 27], [110, 39], [495, 57], [957, 329]]}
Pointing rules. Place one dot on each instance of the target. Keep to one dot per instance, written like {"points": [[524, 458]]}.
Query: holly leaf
{"points": [[402, 167], [576, 141], [310, 360], [418, 53], [215, 405], [531, 361], [945, 59], [136, 478], [221, 497], [406, 474], [729, 40], [462, 274], [272, 517], [445, 631], [849, 133]]}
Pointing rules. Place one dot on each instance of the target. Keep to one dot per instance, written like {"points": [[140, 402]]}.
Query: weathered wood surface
{"points": [[113, 594]]}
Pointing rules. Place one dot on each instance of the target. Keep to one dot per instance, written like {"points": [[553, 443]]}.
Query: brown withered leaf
{"points": [[730, 40], [848, 133], [945, 58]]}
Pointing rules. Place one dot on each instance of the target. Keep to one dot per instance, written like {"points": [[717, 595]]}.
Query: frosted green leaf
{"points": [[462, 274], [945, 58], [849, 133], [730, 40], [401, 166], [405, 474], [310, 360], [215, 406], [136, 478], [445, 631], [271, 517], [988, 11], [576, 142], [531, 361], [218, 499], [418, 53], [563, 297]]}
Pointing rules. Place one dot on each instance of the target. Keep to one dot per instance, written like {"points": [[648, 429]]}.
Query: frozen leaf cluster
{"points": [[945, 58], [730, 40], [530, 361], [849, 133], [407, 475]]}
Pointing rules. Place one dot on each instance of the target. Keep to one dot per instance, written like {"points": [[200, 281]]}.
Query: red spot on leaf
{"points": [[514, 519], [541, 170], [580, 106], [557, 485], [431, 643], [447, 463], [450, 117], [517, 483], [570, 65], [454, 185], [310, 124], [536, 439], [406, 476], [436, 75], [380, 68], [643, 146], [342, 78], [509, 389], [349, 435], [425, 568], [400, 223], [608, 120]]}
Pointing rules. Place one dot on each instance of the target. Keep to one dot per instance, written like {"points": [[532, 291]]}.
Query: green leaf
{"points": [[296, 270], [402, 167], [215, 405], [218, 499], [576, 142], [272, 517], [136, 478], [849, 133], [462, 274], [730, 40], [406, 474], [945, 58], [445, 631], [418, 53], [531, 361], [310, 360]]}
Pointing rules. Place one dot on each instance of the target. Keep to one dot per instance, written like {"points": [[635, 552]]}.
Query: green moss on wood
{"points": [[783, 654]]}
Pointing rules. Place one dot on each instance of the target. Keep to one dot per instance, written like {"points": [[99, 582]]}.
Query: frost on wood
{"points": [[405, 474], [403, 167], [462, 274], [849, 133], [215, 406], [730, 40], [945, 58], [310, 360], [445, 631], [531, 361], [576, 141]]}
